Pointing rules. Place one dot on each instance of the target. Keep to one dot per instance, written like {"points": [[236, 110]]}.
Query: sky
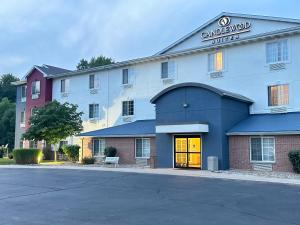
{"points": [[60, 33]]}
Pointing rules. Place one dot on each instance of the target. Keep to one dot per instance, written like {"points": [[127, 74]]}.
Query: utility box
{"points": [[212, 163]]}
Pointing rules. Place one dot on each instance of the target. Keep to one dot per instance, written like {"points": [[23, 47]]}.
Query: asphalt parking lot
{"points": [[77, 197]]}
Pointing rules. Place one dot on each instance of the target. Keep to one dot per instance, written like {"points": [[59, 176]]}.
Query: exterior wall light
{"points": [[185, 105]]}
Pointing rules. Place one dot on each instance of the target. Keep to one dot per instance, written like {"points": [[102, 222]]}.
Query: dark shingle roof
{"points": [[51, 70], [134, 129], [288, 123]]}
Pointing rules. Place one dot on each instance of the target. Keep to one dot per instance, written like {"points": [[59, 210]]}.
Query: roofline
{"points": [[253, 38], [271, 18], [204, 86], [263, 133], [115, 136], [34, 67], [19, 82]]}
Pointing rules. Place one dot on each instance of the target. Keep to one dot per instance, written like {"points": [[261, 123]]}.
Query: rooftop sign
{"points": [[226, 31]]}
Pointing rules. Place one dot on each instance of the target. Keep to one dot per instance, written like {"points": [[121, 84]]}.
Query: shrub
{"points": [[27, 156], [10, 155], [294, 157], [110, 151], [48, 153], [88, 160], [2, 152], [72, 152]]}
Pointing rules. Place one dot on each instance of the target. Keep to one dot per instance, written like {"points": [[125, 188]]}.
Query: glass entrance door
{"points": [[187, 151]]}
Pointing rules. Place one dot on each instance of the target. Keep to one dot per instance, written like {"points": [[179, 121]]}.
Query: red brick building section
{"points": [[239, 152]]}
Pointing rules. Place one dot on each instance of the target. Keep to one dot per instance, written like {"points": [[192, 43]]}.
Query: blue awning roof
{"points": [[139, 128], [259, 124]]}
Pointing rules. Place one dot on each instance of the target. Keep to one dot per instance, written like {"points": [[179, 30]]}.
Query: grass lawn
{"points": [[6, 161]]}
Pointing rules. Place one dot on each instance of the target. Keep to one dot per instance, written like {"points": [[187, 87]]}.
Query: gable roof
{"points": [[48, 70], [270, 18], [218, 91], [260, 124], [139, 128]]}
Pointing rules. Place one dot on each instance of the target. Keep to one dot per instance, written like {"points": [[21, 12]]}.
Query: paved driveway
{"points": [[77, 197]]}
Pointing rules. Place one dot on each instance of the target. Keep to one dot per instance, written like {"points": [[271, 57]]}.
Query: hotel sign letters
{"points": [[226, 31]]}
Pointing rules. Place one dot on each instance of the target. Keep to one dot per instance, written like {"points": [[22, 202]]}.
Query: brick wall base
{"points": [[125, 149], [239, 152]]}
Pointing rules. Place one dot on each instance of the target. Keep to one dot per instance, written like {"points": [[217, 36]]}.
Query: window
{"points": [[142, 148], [125, 76], [93, 111], [23, 93], [98, 147], [21, 144], [215, 62], [278, 95], [62, 143], [33, 144], [167, 69], [127, 108], [22, 119], [262, 149], [277, 52], [92, 81], [35, 88], [63, 86]]}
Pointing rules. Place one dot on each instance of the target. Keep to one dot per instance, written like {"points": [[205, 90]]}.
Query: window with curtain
{"points": [[142, 147], [93, 111], [262, 149], [128, 108], [215, 62], [98, 147], [277, 51], [278, 95]]}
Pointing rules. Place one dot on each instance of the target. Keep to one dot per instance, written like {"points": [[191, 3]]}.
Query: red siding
{"points": [[45, 93]]}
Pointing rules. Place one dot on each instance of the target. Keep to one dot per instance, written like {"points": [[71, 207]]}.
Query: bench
{"points": [[112, 160]]}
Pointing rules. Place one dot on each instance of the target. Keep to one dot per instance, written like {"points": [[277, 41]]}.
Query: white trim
{"points": [[183, 128], [263, 133]]}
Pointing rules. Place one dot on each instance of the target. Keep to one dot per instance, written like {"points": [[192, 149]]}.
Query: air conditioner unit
{"points": [[168, 80], [64, 95], [277, 66], [278, 109], [262, 166], [127, 85], [93, 91], [127, 119], [214, 75]]}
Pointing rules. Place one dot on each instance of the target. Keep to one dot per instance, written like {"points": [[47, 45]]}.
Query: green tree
{"points": [[7, 122], [6, 88], [54, 122], [94, 62]]}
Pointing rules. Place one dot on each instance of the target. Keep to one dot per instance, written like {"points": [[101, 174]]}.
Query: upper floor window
{"points": [[142, 148], [64, 85], [277, 51], [125, 76], [92, 81], [93, 111], [262, 149], [98, 147], [167, 69], [278, 95], [215, 62], [23, 93], [33, 111], [35, 89], [128, 108], [22, 119]]}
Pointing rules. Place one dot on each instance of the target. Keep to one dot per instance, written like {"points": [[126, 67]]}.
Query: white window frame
{"points": [[262, 161], [128, 81], [23, 98], [214, 63], [34, 93], [128, 111], [171, 70], [281, 84], [135, 148], [104, 146], [97, 116], [22, 124], [273, 42]]}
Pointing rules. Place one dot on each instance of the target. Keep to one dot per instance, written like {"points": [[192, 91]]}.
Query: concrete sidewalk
{"points": [[168, 171]]}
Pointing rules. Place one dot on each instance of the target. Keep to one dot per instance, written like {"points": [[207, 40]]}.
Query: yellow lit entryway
{"points": [[187, 151]]}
